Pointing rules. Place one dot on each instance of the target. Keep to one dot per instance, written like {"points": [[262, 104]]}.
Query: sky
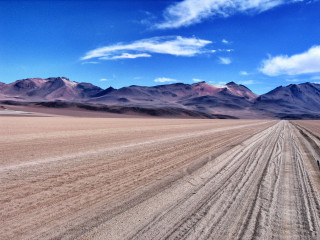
{"points": [[261, 44]]}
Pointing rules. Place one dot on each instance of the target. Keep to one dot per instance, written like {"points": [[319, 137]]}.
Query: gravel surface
{"points": [[72, 178]]}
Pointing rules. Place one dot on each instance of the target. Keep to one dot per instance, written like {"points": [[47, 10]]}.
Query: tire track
{"points": [[260, 189], [73, 193], [224, 176]]}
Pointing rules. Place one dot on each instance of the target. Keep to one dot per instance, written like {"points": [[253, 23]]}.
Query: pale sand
{"points": [[94, 178]]}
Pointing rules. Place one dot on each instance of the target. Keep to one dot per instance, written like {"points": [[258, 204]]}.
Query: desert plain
{"points": [[65, 177]]}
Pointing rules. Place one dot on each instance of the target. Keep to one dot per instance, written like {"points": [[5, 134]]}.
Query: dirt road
{"points": [[158, 179]]}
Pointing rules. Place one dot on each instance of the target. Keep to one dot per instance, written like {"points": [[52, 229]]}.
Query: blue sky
{"points": [[259, 43]]}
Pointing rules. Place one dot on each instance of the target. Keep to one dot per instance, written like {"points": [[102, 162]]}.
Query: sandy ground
{"points": [[39, 111], [312, 125], [94, 178]]}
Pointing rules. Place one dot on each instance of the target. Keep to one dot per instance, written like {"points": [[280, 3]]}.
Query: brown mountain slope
{"points": [[292, 101], [50, 89]]}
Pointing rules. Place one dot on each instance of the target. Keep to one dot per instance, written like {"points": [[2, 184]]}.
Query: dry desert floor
{"points": [[113, 178]]}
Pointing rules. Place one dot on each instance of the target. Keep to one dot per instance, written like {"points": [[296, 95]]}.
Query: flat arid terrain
{"points": [[66, 177]]}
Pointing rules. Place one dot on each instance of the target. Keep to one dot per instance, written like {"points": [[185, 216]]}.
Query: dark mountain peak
{"points": [[199, 83], [238, 86], [231, 83], [84, 85], [110, 89], [294, 98], [292, 85], [55, 83], [297, 86], [241, 91], [309, 85], [171, 85], [105, 92], [88, 89], [177, 84], [305, 83], [58, 79], [243, 86], [28, 83]]}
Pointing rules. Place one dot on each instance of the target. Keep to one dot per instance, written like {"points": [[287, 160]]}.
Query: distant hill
{"points": [[178, 94], [292, 101], [50, 89]]}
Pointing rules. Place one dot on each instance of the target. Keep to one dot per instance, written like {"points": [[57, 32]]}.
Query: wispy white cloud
{"points": [[315, 78], [90, 62], [225, 50], [225, 41], [148, 19], [247, 82], [293, 80], [164, 79], [126, 55], [222, 83], [188, 12], [307, 62], [244, 73], [197, 80], [103, 80], [224, 60], [172, 45]]}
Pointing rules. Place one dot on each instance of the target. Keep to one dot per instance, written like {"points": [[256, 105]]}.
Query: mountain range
{"points": [[234, 100]]}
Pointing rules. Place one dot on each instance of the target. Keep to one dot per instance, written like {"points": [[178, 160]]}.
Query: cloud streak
{"points": [[172, 45], [247, 82], [197, 80], [189, 12], [89, 62], [224, 60], [303, 63], [164, 79], [225, 41], [125, 55]]}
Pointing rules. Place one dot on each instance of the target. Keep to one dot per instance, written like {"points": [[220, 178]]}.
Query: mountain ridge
{"points": [[231, 99]]}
